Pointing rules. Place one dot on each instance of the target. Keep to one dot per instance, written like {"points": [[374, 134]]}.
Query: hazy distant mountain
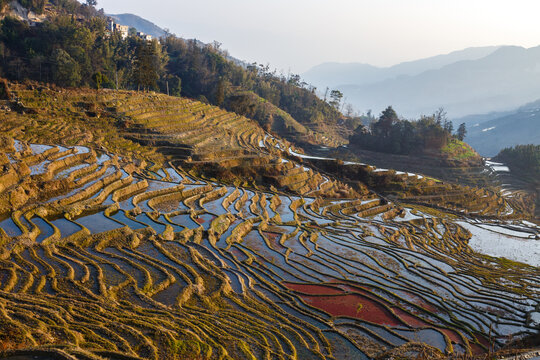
{"points": [[140, 24], [335, 74], [519, 127], [500, 81], [477, 119]]}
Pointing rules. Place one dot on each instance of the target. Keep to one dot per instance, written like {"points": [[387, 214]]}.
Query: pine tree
{"points": [[386, 121], [219, 96], [336, 97], [66, 69], [461, 132], [146, 66]]}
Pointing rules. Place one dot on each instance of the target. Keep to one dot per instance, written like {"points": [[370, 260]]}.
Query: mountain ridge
{"points": [[501, 81], [405, 68], [519, 127]]}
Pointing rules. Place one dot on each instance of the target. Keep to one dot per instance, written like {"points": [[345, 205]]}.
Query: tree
{"points": [[5, 94], [349, 110], [440, 116], [36, 6], [146, 66], [175, 84], [25, 53], [336, 97], [461, 132], [386, 120], [219, 95], [66, 70], [294, 80], [98, 79], [92, 3], [400, 136]]}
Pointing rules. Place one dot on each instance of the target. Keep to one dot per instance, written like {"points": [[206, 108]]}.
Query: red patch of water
{"points": [[353, 305], [240, 256], [313, 289], [370, 309], [411, 297], [410, 319], [273, 238], [271, 235], [417, 300], [355, 288], [477, 349], [483, 340], [201, 219], [454, 336]]}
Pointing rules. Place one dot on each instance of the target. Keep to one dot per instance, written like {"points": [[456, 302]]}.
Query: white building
{"points": [[144, 36], [122, 29]]}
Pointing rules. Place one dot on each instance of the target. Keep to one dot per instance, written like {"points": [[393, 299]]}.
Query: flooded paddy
{"points": [[285, 267]]}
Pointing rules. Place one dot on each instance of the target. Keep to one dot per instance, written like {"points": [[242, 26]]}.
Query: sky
{"points": [[295, 35]]}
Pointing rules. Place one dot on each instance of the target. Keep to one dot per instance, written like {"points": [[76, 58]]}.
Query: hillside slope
{"points": [[132, 223], [53, 52], [203, 139], [277, 121]]}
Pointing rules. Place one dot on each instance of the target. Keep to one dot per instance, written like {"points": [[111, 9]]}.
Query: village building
{"points": [[123, 30], [144, 36]]}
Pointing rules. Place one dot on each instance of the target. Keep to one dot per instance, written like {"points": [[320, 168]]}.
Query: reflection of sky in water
{"points": [[46, 229], [98, 223], [341, 251], [8, 225], [66, 227]]}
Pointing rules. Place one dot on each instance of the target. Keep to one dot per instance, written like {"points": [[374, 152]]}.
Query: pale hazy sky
{"points": [[299, 34]]}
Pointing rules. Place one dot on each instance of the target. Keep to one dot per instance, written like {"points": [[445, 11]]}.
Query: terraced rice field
{"points": [[200, 138], [484, 200], [103, 256]]}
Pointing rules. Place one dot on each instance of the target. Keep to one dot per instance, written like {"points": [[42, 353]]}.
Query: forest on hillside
{"points": [[75, 48], [390, 134], [524, 158]]}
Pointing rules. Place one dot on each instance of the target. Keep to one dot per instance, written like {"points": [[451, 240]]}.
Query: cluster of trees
{"points": [[206, 73], [71, 48], [525, 158], [37, 6], [391, 134]]}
